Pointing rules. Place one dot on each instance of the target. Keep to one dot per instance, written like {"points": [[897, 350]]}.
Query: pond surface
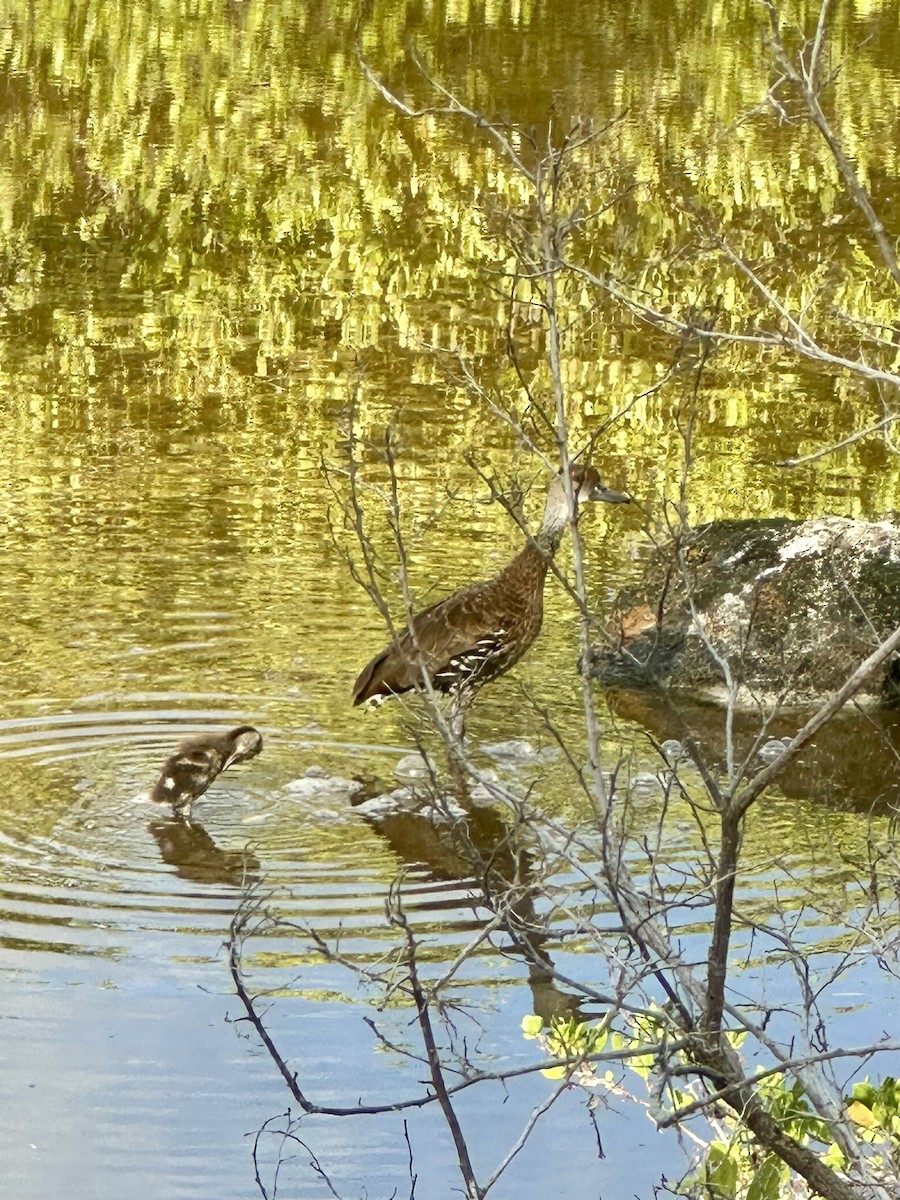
{"points": [[222, 254]]}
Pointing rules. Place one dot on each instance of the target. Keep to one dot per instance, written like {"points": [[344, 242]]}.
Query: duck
{"points": [[482, 630], [188, 772]]}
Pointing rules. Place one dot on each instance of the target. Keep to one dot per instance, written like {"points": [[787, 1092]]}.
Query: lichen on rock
{"points": [[792, 607]]}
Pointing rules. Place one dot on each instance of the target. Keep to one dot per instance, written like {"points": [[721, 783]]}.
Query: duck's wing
{"points": [[450, 640], [188, 773]]}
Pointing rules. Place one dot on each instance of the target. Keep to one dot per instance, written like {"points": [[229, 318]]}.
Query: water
{"points": [[221, 257]]}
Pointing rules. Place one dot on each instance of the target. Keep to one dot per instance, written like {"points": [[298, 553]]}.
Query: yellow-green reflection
{"points": [[215, 233]]}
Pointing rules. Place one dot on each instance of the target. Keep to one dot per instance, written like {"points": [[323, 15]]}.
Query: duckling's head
{"points": [[245, 741]]}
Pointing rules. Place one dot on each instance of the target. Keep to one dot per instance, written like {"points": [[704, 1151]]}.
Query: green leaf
{"points": [[532, 1025], [861, 1115], [834, 1157], [766, 1183], [865, 1093], [721, 1171]]}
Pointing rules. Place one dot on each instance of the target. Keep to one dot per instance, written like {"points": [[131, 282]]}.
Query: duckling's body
{"points": [[479, 632], [195, 764]]}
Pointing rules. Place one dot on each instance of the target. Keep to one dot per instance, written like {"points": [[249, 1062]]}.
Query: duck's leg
{"points": [[456, 721]]}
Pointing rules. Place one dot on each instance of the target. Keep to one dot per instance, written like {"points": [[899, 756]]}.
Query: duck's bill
{"points": [[608, 496]]}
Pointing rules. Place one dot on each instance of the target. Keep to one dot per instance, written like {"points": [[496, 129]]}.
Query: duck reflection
{"points": [[187, 846], [474, 846]]}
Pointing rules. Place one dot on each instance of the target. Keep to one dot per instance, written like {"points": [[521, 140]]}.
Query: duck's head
{"points": [[586, 485], [244, 742]]}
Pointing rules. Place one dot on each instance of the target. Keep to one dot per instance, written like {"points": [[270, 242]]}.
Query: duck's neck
{"points": [[553, 526], [555, 520], [529, 568]]}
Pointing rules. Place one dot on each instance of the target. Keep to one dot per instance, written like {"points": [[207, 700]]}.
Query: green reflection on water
{"points": [[210, 222]]}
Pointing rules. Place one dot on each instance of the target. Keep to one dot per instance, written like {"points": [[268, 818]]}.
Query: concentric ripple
{"points": [[88, 865]]}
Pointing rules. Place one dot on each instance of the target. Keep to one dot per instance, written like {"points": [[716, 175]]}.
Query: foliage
{"points": [[568, 1039], [875, 1110], [732, 1166]]}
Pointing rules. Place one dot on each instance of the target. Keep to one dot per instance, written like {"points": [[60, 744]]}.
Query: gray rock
{"points": [[794, 607], [413, 766], [773, 748], [519, 751], [406, 800], [310, 786]]}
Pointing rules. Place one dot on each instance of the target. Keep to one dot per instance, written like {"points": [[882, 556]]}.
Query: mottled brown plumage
{"points": [[195, 764], [482, 630]]}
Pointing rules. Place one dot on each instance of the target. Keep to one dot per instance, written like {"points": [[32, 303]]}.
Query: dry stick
{"points": [[782, 1068], [233, 946], [722, 1063], [807, 81], [550, 255], [453, 109], [742, 799], [825, 1095], [849, 440], [803, 344], [412, 1176], [737, 804], [523, 1137], [717, 960], [451, 730], [698, 623], [508, 418], [717, 1057], [551, 250]]}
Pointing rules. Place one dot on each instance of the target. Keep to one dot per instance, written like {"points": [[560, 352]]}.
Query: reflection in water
{"points": [[482, 850], [201, 228], [187, 846], [854, 761]]}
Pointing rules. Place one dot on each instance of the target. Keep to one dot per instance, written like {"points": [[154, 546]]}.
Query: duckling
{"points": [[196, 763]]}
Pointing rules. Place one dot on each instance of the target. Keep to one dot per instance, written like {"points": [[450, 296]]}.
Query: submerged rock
{"points": [[414, 766], [520, 752], [316, 782], [416, 796], [410, 802], [793, 606]]}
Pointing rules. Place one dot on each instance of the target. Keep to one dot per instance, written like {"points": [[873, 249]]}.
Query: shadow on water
{"points": [[853, 763]]}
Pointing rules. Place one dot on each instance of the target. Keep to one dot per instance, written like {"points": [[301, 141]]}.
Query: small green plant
{"points": [[733, 1166], [568, 1039], [875, 1111]]}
